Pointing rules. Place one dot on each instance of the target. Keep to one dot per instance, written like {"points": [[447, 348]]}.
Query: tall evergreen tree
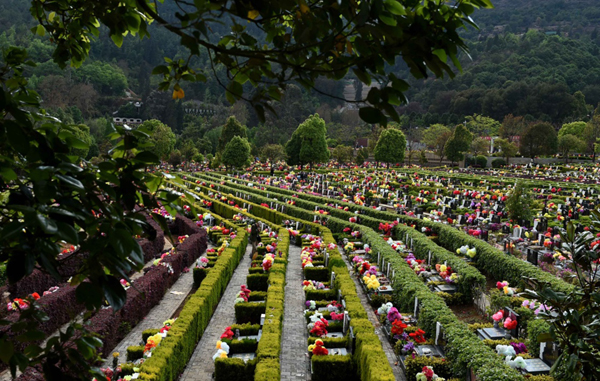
{"points": [[308, 144], [231, 128]]}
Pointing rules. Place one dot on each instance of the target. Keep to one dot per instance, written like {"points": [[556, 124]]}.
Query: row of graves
{"points": [[584, 174], [240, 340], [327, 321], [416, 348]]}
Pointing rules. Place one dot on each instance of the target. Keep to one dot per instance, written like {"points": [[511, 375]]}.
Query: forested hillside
{"points": [[539, 60]]}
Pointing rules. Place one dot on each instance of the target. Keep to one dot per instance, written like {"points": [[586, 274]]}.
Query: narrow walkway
{"points": [[385, 343], [201, 365], [161, 312], [294, 356]]}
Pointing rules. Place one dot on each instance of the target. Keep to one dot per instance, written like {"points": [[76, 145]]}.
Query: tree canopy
{"points": [[236, 153], [458, 144], [390, 146], [308, 144], [162, 138], [230, 129], [538, 139]]}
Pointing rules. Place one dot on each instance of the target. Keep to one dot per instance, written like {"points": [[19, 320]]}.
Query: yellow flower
{"points": [[178, 93], [253, 14]]}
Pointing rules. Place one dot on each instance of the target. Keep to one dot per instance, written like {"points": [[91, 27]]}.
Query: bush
{"points": [[498, 163], [249, 312], [481, 161], [320, 274], [535, 328], [135, 352], [333, 368], [228, 369], [441, 367], [149, 332], [258, 282], [199, 275]]}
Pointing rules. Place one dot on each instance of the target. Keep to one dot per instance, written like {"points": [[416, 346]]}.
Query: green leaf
{"points": [[71, 181], [114, 292], [67, 233], [161, 69], [90, 295], [6, 350], [395, 7], [8, 174], [147, 157], [388, 20], [31, 336], [363, 76], [47, 225], [117, 39], [441, 54], [40, 31], [370, 115]]}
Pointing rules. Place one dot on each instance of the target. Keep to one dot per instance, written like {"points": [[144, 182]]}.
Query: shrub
{"points": [[481, 161], [320, 274], [258, 282], [498, 163], [333, 368], [199, 275], [135, 352], [149, 332], [441, 367], [535, 328], [249, 312], [228, 369]]}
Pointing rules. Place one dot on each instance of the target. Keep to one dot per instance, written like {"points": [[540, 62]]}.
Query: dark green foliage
{"points": [[321, 274], [249, 312], [333, 368], [518, 203], [308, 144], [257, 282], [228, 369], [135, 352], [539, 139], [199, 275], [498, 163], [441, 367], [459, 142], [230, 129], [390, 146]]}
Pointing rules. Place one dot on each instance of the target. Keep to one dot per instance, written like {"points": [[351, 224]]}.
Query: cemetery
{"points": [[383, 190]]}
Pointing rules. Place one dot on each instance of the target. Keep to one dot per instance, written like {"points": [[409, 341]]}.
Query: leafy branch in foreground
{"points": [[305, 40], [574, 317], [53, 197]]}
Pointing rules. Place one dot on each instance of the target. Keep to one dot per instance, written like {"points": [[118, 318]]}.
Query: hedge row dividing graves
{"points": [[465, 350], [368, 358], [147, 292], [169, 357], [488, 259]]}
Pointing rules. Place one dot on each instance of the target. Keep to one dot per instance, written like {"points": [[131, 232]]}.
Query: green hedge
{"points": [[199, 275], [172, 355], [320, 274], [235, 369], [463, 348], [489, 259]]}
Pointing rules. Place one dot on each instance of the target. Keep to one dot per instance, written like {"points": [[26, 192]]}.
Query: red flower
{"points": [[418, 336], [35, 295]]}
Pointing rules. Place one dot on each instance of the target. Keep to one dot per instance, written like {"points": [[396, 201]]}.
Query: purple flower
{"points": [[519, 347], [405, 336], [393, 315], [409, 346]]}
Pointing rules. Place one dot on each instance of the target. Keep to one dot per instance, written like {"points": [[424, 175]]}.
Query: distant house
{"points": [[361, 143], [129, 121]]}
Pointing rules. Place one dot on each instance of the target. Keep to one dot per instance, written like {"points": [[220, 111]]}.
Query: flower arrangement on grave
{"points": [[336, 316], [311, 305], [268, 262], [228, 334], [125, 283], [331, 246], [334, 306], [383, 310], [427, 374], [418, 336], [443, 270], [312, 285], [355, 234], [510, 324], [243, 295], [387, 228], [202, 262], [371, 282], [517, 363], [394, 315], [398, 328], [318, 348], [504, 287], [519, 347], [222, 350], [182, 238]]}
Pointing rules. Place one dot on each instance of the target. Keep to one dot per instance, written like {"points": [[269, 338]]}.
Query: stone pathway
{"points": [[385, 343], [161, 312], [201, 366], [294, 358]]}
